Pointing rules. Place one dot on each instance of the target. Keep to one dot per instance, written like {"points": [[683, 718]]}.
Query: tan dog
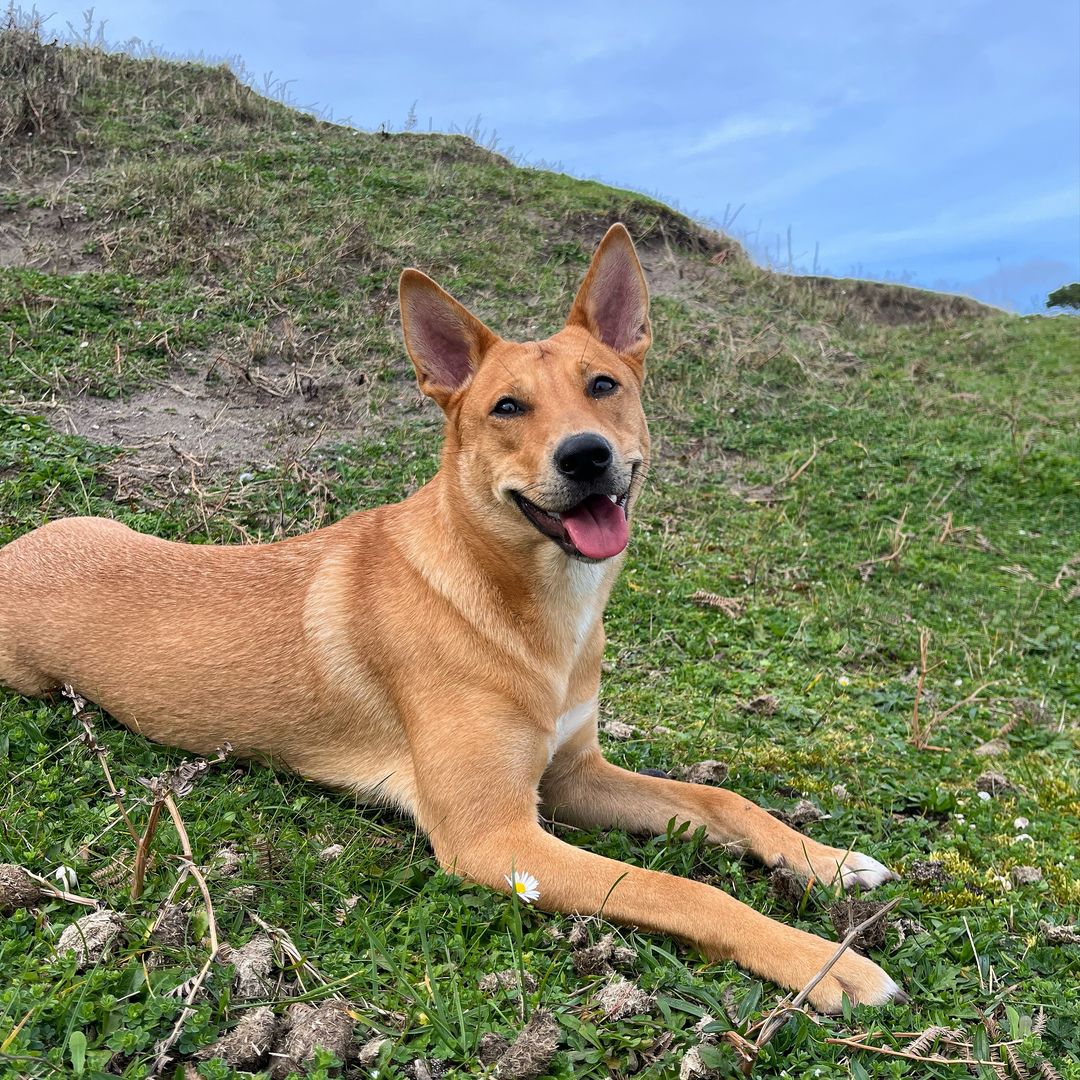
{"points": [[441, 654]]}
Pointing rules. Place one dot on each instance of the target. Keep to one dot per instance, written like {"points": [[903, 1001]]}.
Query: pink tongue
{"points": [[597, 527]]}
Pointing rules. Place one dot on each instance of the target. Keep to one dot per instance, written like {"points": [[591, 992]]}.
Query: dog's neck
{"points": [[527, 594]]}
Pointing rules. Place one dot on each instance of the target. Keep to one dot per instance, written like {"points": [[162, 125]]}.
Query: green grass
{"points": [[212, 212]]}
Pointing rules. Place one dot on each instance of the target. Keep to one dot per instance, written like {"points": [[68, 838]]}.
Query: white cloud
{"points": [[955, 226], [741, 128]]}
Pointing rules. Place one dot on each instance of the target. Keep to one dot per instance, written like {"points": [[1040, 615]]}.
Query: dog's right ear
{"points": [[445, 340]]}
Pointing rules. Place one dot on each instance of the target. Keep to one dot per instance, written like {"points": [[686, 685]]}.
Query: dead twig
{"points": [[161, 1058], [60, 894], [899, 542], [932, 1059], [89, 740], [780, 1014], [793, 476]]}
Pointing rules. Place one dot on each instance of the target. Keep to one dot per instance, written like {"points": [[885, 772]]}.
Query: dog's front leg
{"points": [[582, 788], [477, 800]]}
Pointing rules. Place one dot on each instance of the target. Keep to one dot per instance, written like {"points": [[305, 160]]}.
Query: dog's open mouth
{"points": [[594, 529]]}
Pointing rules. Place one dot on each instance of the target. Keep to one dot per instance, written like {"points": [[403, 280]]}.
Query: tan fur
{"points": [[440, 654]]}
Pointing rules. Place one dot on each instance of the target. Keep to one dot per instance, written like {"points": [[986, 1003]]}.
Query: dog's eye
{"points": [[602, 385], [507, 406]]}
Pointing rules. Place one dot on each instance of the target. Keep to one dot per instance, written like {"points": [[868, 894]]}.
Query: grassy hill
{"points": [[199, 337]]}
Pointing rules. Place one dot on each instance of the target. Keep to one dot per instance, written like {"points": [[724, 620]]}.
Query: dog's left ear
{"points": [[613, 301]]}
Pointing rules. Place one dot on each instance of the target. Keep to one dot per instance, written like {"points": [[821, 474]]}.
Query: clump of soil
{"points": [[253, 963], [305, 1030], [705, 772], [247, 1045], [506, 980], [172, 928], [929, 873], [491, 1047], [622, 998], [787, 887], [994, 783], [531, 1052], [601, 958], [848, 913], [91, 936], [17, 889]]}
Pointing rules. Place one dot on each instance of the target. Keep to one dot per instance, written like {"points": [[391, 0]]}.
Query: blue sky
{"points": [[937, 142]]}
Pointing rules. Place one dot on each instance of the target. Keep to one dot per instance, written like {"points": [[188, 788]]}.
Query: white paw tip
{"points": [[865, 872]]}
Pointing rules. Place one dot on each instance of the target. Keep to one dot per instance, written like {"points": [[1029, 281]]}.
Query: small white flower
{"points": [[1022, 836], [66, 878], [1021, 823], [525, 885], [958, 682], [985, 796], [959, 817], [844, 680], [84, 344]]}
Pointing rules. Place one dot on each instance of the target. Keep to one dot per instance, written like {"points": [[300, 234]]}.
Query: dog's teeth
{"points": [[614, 498]]}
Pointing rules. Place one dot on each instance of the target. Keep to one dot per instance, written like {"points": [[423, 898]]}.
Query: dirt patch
{"points": [[213, 415], [40, 238], [894, 305]]}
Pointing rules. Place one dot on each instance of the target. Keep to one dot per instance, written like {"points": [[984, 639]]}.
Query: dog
{"points": [[441, 654]]}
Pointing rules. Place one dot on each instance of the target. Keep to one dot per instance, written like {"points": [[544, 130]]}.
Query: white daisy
{"points": [[844, 680], [524, 885]]}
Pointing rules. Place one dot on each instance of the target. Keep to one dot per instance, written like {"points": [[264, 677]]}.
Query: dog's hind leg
{"points": [[586, 790]]}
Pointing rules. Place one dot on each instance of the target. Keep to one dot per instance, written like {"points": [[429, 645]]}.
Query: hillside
{"points": [[199, 337]]}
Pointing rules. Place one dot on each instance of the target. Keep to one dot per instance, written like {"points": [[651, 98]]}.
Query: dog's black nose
{"points": [[583, 457]]}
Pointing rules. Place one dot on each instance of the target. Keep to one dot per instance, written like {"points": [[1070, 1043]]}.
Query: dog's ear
{"points": [[446, 342], [613, 301]]}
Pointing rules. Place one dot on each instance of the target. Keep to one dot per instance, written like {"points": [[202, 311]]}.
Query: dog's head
{"points": [[546, 440]]}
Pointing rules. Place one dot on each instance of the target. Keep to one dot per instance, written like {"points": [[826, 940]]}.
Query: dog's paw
{"points": [[860, 979], [832, 866], [860, 871]]}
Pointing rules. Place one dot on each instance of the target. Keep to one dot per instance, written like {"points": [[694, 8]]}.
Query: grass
{"points": [[849, 482]]}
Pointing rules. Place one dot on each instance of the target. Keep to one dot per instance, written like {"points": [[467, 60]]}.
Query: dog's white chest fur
{"points": [[571, 722]]}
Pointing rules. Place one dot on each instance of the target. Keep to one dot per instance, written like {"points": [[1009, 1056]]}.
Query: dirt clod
{"points": [[706, 772], [172, 928], [491, 1047], [17, 889], [601, 958], [578, 937], [1060, 935], [762, 705], [247, 1044], [622, 998], [506, 980], [787, 887], [994, 782], [368, 1054], [91, 936], [1026, 875], [253, 964], [531, 1052], [803, 813], [616, 729], [848, 913], [308, 1029], [992, 748], [928, 872]]}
